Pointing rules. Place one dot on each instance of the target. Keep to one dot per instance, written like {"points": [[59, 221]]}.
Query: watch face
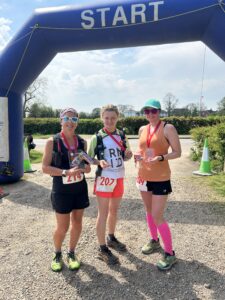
{"points": [[64, 173]]}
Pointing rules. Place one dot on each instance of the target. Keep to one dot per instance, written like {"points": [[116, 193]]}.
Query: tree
{"points": [[95, 113], [39, 110], [192, 110], [83, 115], [122, 108], [221, 106], [34, 94], [170, 103]]}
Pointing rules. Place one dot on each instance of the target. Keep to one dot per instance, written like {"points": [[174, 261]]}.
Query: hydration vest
{"points": [[57, 153], [99, 150]]}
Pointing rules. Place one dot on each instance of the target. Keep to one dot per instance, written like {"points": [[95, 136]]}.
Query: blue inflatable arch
{"points": [[106, 25]]}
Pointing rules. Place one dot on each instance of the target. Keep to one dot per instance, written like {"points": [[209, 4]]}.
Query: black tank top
{"points": [[63, 163]]}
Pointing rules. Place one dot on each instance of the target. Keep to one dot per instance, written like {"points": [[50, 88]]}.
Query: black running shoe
{"points": [[107, 256], [116, 244]]}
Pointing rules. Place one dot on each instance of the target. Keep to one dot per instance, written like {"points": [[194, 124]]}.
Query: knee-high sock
{"points": [[152, 227], [165, 234]]}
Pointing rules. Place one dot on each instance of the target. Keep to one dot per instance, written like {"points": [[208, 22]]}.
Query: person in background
{"points": [[153, 179], [69, 194], [111, 148]]}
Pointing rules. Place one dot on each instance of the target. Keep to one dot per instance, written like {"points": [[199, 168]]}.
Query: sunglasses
{"points": [[148, 111], [72, 119]]}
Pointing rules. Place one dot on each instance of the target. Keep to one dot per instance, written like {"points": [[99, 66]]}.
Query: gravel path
{"points": [[196, 215]]}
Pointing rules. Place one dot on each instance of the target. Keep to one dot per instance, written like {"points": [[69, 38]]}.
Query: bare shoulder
{"points": [[169, 127], [169, 130], [49, 143], [50, 140], [140, 130]]}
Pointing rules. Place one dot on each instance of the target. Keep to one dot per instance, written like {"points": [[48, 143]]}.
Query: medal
{"points": [[71, 150], [149, 153]]}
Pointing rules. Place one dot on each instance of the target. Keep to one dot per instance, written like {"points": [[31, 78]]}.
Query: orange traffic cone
{"points": [[205, 168], [26, 161], [2, 193]]}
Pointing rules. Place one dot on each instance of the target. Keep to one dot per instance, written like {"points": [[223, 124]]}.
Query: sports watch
{"points": [[63, 173]]}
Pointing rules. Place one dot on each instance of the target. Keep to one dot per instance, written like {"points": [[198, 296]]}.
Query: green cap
{"points": [[152, 103]]}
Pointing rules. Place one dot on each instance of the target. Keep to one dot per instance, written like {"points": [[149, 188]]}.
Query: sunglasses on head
{"points": [[153, 111], [72, 119]]}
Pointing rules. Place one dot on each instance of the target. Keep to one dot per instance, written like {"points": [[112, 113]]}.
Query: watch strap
{"points": [[63, 173]]}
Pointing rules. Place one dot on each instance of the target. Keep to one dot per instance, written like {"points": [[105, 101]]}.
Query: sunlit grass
{"points": [[35, 156], [217, 182]]}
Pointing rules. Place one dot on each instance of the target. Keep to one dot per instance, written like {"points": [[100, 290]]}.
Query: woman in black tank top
{"points": [[63, 160]]}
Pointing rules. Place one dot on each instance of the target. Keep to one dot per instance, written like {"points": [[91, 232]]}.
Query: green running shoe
{"points": [[57, 262], [150, 247], [167, 262], [73, 262]]}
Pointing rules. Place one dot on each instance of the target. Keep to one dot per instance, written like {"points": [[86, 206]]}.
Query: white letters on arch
{"points": [[139, 13]]}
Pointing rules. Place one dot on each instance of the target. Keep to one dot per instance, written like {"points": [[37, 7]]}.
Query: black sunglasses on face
{"points": [[148, 111]]}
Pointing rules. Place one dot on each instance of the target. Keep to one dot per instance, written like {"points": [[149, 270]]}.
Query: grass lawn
{"points": [[35, 156], [217, 182]]}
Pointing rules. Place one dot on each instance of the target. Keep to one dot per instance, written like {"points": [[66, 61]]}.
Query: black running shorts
{"points": [[159, 187], [64, 203]]}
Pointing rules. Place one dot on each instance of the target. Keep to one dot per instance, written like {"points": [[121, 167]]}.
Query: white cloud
{"points": [[4, 32], [93, 78]]}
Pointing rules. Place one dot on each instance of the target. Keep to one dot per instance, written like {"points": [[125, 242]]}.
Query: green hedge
{"points": [[132, 124], [216, 140]]}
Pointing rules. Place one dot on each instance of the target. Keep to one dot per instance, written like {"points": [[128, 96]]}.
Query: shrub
{"points": [[216, 140], [132, 124]]}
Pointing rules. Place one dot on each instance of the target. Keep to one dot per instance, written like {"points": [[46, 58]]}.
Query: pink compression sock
{"points": [[165, 234], [152, 227]]}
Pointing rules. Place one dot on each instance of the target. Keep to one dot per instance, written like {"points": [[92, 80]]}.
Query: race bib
{"points": [[73, 179], [141, 184], [105, 184]]}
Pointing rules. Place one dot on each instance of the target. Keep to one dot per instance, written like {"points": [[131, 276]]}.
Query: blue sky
{"points": [[91, 79]]}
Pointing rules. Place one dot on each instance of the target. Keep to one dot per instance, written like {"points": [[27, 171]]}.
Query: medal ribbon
{"points": [[120, 144], [67, 144], [150, 136]]}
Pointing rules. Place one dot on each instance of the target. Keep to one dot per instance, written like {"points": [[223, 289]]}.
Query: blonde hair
{"points": [[109, 107]]}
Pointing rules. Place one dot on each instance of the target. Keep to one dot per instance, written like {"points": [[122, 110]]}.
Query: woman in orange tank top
{"points": [[153, 179]]}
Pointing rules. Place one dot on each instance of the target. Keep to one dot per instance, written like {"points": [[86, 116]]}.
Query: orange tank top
{"points": [[159, 171]]}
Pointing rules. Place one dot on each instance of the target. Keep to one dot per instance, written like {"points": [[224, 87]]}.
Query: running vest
{"points": [[104, 147], [60, 153], [60, 160], [159, 171]]}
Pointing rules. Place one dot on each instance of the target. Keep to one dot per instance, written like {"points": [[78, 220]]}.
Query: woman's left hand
{"points": [[154, 160]]}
